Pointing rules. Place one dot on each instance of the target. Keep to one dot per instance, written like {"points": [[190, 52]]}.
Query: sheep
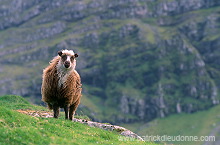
{"points": [[61, 84]]}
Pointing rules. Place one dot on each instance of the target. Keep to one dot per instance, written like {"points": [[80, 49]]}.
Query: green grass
{"points": [[17, 128], [16, 102], [197, 124]]}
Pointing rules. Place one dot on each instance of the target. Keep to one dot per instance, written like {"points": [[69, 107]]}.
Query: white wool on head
{"points": [[62, 72], [68, 52]]}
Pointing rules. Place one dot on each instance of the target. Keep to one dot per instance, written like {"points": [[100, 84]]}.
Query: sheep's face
{"points": [[67, 58]]}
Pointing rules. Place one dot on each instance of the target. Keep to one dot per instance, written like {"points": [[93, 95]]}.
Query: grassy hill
{"points": [[17, 128], [204, 123]]}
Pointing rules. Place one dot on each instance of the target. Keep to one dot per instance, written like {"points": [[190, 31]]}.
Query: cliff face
{"points": [[140, 59]]}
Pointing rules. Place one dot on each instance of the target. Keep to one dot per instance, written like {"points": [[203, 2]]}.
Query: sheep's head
{"points": [[68, 60]]}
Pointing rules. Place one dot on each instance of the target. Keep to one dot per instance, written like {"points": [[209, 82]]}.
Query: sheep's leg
{"points": [[73, 109], [56, 111], [66, 109]]}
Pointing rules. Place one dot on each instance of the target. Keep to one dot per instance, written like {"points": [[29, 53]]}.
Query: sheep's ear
{"points": [[59, 53], [76, 55]]}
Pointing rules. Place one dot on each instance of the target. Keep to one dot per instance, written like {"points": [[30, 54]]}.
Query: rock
{"points": [[121, 130], [178, 108]]}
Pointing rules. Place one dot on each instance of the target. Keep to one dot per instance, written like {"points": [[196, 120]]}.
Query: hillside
{"points": [[17, 128], [203, 123], [139, 60]]}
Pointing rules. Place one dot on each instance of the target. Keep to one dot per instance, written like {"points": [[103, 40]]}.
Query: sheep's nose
{"points": [[67, 64]]}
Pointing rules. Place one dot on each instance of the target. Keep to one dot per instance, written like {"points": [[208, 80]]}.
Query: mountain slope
{"points": [[203, 123], [17, 128], [139, 59]]}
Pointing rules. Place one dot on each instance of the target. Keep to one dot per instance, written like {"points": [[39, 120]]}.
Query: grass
{"points": [[197, 124], [17, 128], [16, 102]]}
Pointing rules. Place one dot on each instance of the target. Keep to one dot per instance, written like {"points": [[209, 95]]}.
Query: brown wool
{"points": [[68, 93]]}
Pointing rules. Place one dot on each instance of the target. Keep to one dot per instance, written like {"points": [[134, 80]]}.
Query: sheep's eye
{"points": [[72, 58], [64, 57]]}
